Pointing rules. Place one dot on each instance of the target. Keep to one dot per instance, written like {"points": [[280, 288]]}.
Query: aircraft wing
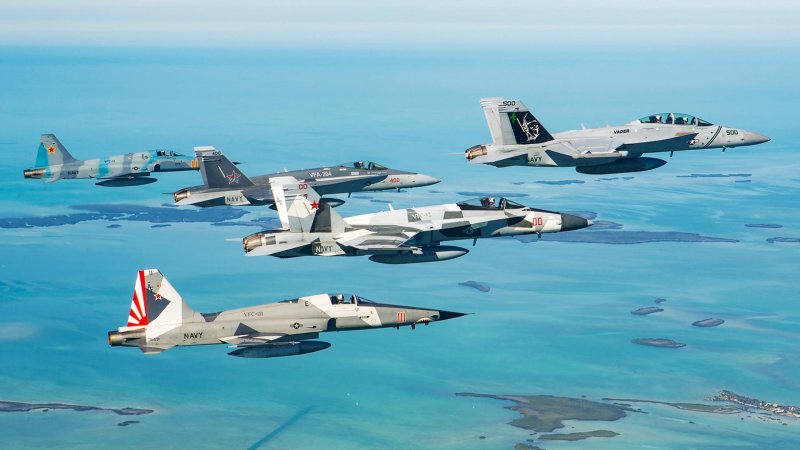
{"points": [[377, 243], [268, 250], [284, 330], [125, 176], [514, 158], [342, 184], [664, 145]]}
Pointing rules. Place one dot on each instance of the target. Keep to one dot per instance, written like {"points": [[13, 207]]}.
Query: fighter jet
{"points": [[54, 162], [159, 319], [414, 235], [519, 139], [225, 184]]}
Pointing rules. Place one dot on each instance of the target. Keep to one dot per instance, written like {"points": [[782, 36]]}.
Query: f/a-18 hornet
{"points": [[312, 228], [225, 184], [519, 139], [54, 162], [159, 319]]}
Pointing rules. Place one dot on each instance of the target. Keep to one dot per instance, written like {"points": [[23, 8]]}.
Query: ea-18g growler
{"points": [[519, 139]]}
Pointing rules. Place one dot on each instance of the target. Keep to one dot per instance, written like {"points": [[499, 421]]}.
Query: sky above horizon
{"points": [[397, 24]]}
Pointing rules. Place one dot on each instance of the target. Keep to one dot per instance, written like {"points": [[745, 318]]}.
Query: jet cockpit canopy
{"points": [[489, 203], [365, 165], [167, 153], [348, 299], [674, 119]]}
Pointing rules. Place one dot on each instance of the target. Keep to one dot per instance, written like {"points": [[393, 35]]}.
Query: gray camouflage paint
{"points": [[312, 228], [226, 184], [160, 319], [518, 139], [54, 162]]}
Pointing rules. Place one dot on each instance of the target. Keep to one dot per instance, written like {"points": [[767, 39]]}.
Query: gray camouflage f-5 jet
{"points": [[225, 184], [159, 319], [54, 162], [312, 228], [519, 139]]}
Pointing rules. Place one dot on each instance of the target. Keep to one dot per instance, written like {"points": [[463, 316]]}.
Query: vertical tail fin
{"points": [[155, 301], [218, 171], [301, 209], [510, 123], [51, 152]]}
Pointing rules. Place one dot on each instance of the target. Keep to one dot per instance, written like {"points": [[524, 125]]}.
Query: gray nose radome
{"points": [[751, 138], [425, 180], [570, 222]]}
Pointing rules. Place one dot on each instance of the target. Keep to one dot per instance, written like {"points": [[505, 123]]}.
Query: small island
{"points": [[7, 406], [579, 436], [763, 225], [707, 323], [659, 300], [773, 240], [546, 413], [716, 175], [474, 284], [647, 310], [559, 182], [658, 342], [747, 402], [127, 422], [588, 236]]}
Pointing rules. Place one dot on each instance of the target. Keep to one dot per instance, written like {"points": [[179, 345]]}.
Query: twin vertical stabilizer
{"points": [[510, 123]]}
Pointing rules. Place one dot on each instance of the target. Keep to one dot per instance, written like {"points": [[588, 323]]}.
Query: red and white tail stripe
{"points": [[401, 317], [138, 313]]}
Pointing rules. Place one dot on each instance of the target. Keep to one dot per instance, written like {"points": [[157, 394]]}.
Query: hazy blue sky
{"points": [[368, 23]]}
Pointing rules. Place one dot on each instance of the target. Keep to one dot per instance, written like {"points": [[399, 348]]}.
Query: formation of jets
{"points": [[159, 319]]}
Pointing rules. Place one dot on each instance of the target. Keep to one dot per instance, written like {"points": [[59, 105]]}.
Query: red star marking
{"points": [[158, 296], [51, 149], [315, 205]]}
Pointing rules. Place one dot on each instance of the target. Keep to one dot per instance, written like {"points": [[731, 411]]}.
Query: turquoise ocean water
{"points": [[557, 318]]}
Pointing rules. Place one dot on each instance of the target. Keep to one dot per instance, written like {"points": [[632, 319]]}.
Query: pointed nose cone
{"points": [[751, 138], [444, 315], [570, 222], [425, 180]]}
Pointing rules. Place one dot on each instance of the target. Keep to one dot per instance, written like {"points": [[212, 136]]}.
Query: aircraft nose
{"points": [[425, 180], [444, 315], [570, 222], [751, 138]]}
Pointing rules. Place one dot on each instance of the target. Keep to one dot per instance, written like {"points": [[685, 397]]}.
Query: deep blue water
{"points": [[557, 318]]}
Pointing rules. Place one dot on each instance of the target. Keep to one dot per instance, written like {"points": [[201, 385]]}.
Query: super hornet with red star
{"points": [[54, 162], [312, 228], [226, 184]]}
